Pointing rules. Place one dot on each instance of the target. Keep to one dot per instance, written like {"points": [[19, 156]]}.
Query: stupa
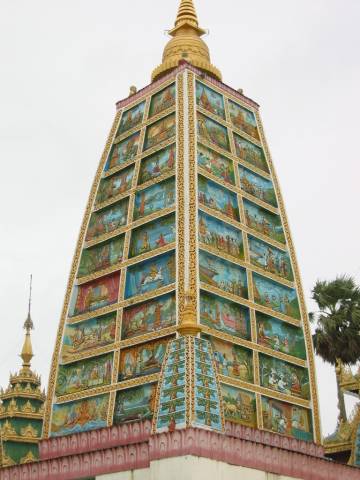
{"points": [[183, 349], [22, 409]]}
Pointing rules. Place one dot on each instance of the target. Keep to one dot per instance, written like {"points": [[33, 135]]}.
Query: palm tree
{"points": [[337, 333]]}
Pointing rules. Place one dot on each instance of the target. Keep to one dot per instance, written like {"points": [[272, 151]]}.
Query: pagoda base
{"points": [[132, 452]]}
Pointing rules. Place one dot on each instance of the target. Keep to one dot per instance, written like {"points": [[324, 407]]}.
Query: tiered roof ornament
{"points": [[22, 408], [186, 44]]}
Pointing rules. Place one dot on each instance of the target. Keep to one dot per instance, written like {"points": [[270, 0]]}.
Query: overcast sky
{"points": [[65, 63]]}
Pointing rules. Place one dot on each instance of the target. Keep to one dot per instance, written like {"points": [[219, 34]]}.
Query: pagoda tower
{"points": [[184, 305], [22, 409]]}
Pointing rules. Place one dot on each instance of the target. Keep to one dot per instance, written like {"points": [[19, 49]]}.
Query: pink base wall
{"points": [[132, 446]]}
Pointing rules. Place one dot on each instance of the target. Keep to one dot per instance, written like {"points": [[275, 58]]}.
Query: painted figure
{"points": [[160, 163], [135, 404], [123, 152], [101, 256], [154, 198], [162, 100], [281, 336], [79, 416], [232, 360], [284, 377], [250, 153], [153, 235], [143, 359], [263, 221], [222, 274], [210, 100], [131, 118], [220, 235], [243, 119], [239, 405], [150, 275], [107, 220], [95, 294], [286, 419], [84, 374], [150, 316], [212, 132], [270, 259], [87, 335], [257, 186], [275, 296], [225, 316], [115, 185], [217, 198], [160, 131], [216, 164]]}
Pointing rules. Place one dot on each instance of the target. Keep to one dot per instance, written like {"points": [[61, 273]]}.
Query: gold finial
{"points": [[186, 44], [26, 352], [188, 320]]}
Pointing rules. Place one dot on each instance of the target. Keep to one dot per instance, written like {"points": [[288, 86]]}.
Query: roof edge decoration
{"points": [[186, 44]]}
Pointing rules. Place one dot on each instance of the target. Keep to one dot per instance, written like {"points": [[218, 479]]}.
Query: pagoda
{"points": [[22, 410], [183, 348]]}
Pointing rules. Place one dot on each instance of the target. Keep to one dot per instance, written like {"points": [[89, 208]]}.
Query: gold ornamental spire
{"points": [[186, 44], [27, 352]]}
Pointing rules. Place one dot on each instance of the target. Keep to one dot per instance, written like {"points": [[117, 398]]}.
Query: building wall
{"points": [[193, 468]]}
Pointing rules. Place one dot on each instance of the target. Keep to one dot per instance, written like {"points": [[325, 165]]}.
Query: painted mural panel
{"points": [[216, 164], [217, 198], [150, 316], [258, 186], [284, 377], [101, 256], [287, 419], [219, 235], [153, 235], [225, 316], [239, 405], [123, 152], [212, 132], [232, 360], [144, 359], [150, 275], [160, 131], [250, 153], [222, 274], [270, 259], [95, 294], [244, 119], [131, 118], [135, 404], [84, 374], [160, 163], [263, 221], [93, 333], [275, 296], [210, 100], [162, 100], [154, 198], [107, 220], [79, 416], [280, 336], [115, 185]]}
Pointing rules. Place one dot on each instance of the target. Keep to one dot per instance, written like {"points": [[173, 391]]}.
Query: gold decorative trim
{"points": [[265, 391], [253, 346], [72, 277], [126, 263], [242, 263], [180, 249], [243, 227], [303, 310], [248, 303]]}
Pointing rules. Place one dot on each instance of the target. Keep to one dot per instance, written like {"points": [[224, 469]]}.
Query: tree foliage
{"points": [[337, 331]]}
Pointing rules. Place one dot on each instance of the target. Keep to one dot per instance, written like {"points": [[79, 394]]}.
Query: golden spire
{"points": [[26, 352], [186, 44]]}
